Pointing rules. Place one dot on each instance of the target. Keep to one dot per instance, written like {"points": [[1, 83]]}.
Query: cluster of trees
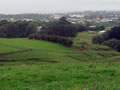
{"points": [[62, 28], [52, 38], [113, 43], [111, 38], [16, 29]]}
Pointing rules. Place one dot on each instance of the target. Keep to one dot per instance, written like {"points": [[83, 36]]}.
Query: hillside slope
{"points": [[41, 65]]}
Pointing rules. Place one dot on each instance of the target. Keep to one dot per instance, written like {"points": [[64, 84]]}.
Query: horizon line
{"points": [[60, 12]]}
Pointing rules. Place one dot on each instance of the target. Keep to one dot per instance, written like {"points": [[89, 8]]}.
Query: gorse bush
{"points": [[56, 39]]}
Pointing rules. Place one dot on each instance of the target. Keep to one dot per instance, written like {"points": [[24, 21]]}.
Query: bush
{"points": [[111, 38], [98, 39], [31, 36], [57, 39], [113, 43], [114, 33]]}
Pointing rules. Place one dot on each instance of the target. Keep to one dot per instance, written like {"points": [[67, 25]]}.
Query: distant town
{"points": [[74, 17]]}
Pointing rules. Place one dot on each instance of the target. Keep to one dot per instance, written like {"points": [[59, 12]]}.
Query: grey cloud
{"points": [[51, 6]]}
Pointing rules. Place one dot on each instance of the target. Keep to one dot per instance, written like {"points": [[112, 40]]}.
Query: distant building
{"points": [[77, 16], [56, 17], [12, 20], [39, 28], [26, 19], [101, 32], [92, 26], [73, 22], [105, 20]]}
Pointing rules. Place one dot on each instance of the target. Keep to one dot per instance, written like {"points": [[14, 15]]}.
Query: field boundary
{"points": [[6, 54]]}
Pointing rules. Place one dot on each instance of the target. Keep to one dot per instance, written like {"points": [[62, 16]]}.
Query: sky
{"points": [[56, 6]]}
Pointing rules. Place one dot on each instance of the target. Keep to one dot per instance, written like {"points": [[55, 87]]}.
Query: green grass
{"points": [[33, 44], [60, 77], [5, 49], [41, 65], [85, 37]]}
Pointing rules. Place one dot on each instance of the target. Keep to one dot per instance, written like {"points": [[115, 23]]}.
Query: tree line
{"points": [[16, 29], [59, 31]]}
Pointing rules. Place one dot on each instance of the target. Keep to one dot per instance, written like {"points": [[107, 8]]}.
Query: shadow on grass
{"points": [[27, 60]]}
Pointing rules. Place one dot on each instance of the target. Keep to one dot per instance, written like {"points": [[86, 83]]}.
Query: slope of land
{"points": [[41, 65]]}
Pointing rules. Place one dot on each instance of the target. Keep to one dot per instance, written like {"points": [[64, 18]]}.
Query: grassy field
{"points": [[41, 65]]}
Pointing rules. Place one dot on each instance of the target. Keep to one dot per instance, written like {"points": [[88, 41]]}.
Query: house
{"points": [[39, 28], [92, 26], [101, 32]]}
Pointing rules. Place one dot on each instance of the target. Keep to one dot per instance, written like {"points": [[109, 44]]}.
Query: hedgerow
{"points": [[52, 38]]}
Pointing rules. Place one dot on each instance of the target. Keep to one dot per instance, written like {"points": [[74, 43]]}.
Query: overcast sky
{"points": [[55, 6]]}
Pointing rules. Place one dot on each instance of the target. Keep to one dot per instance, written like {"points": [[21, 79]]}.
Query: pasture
{"points": [[41, 65]]}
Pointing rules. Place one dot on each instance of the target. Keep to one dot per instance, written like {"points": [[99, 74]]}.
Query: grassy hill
{"points": [[41, 65]]}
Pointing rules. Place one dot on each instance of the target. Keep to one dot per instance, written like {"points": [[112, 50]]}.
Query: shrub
{"points": [[114, 33], [110, 38], [98, 39], [31, 36], [113, 43]]}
